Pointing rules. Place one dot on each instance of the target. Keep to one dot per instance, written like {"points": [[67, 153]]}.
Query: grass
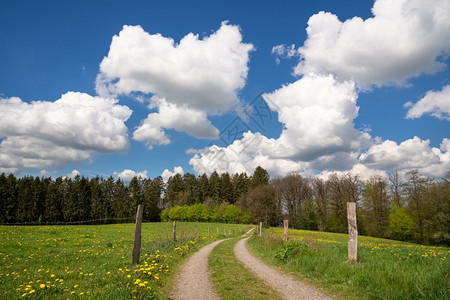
{"points": [[386, 269], [234, 281], [94, 261]]}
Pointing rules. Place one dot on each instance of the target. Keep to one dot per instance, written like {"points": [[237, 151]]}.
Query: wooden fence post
{"points": [[137, 235], [286, 226], [229, 231], [352, 232], [217, 229], [174, 231], [196, 231], [260, 228], [209, 232]]}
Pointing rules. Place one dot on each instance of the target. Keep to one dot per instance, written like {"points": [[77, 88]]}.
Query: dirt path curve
{"points": [[194, 281], [287, 286]]}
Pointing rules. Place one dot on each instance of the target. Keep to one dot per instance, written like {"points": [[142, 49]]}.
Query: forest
{"points": [[407, 207]]}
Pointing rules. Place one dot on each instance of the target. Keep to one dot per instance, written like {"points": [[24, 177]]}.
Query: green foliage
{"points": [[226, 213], [289, 250], [400, 224]]}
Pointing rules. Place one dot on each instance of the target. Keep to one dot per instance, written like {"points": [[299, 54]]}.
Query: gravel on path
{"points": [[287, 286], [193, 282]]}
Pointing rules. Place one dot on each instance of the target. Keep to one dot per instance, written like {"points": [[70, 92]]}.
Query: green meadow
{"points": [[386, 269], [94, 261]]}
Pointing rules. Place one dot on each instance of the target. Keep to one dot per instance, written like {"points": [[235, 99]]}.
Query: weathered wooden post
{"points": [[260, 228], [196, 231], [209, 232], [229, 231], [137, 235], [352, 232], [286, 226], [217, 229], [174, 231]]}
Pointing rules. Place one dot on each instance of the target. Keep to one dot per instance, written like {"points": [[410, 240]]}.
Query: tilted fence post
{"points": [[352, 232], [137, 235]]}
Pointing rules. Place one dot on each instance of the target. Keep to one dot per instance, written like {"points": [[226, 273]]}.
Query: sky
{"points": [[154, 88]]}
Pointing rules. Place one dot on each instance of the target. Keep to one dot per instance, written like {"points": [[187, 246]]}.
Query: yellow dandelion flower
{"points": [[42, 286]]}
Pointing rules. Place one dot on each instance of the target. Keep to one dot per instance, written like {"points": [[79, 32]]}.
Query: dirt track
{"points": [[287, 286], [194, 282]]}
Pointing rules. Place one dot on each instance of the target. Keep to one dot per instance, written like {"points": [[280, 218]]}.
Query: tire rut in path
{"points": [[287, 286], [194, 281]]}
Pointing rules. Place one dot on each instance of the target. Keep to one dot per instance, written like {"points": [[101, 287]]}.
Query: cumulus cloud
{"points": [[200, 76], [360, 170], [173, 116], [317, 113], [166, 174], [44, 134], [72, 174], [414, 153], [128, 174], [434, 103], [403, 39]]}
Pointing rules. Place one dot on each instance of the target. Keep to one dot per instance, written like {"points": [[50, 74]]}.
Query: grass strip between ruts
{"points": [[232, 280]]}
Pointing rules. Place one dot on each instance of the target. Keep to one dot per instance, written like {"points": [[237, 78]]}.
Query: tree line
{"points": [[409, 207], [41, 200]]}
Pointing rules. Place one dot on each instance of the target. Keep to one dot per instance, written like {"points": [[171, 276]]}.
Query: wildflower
{"points": [[128, 276], [42, 286]]}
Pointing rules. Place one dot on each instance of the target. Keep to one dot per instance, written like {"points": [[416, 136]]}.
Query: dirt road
{"points": [[287, 286]]}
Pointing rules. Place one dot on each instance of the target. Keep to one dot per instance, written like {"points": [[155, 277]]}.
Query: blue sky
{"points": [[346, 86]]}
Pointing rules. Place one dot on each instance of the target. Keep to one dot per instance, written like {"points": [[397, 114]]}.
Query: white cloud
{"points": [[172, 116], [410, 154], [44, 134], [434, 103], [317, 113], [283, 51], [200, 76], [166, 174], [404, 39], [363, 172], [72, 174], [128, 174]]}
